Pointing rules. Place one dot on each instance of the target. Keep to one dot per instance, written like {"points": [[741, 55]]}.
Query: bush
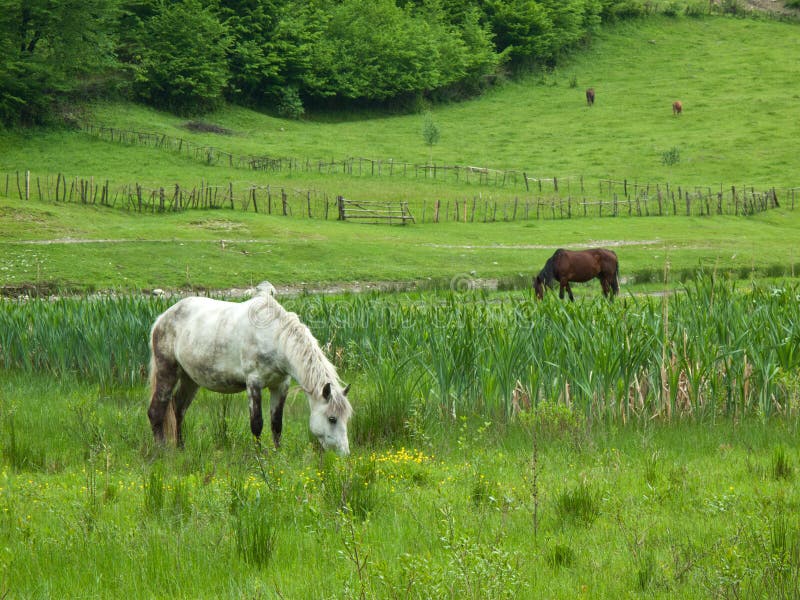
{"points": [[182, 64], [379, 51], [290, 105], [671, 157]]}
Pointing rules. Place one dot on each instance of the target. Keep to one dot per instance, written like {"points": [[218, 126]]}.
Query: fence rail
{"points": [[367, 211], [353, 166], [639, 201]]}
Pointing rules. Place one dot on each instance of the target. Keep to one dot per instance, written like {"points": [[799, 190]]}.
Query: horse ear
{"points": [[326, 391], [347, 389]]}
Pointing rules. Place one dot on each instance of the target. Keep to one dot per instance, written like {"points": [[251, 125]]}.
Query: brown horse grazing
{"points": [[579, 265], [590, 96], [677, 107]]}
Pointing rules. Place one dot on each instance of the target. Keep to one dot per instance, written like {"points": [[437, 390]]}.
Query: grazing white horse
{"points": [[229, 347]]}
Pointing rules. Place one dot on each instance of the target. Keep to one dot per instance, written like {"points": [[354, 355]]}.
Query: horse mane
{"points": [[548, 274], [311, 367]]}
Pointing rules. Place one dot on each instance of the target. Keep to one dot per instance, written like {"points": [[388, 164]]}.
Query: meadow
{"points": [[737, 100], [502, 447], [736, 84]]}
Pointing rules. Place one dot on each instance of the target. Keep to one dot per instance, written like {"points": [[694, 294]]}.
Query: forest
{"points": [[283, 56]]}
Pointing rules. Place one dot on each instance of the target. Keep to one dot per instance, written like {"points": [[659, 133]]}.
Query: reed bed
{"points": [[706, 351]]}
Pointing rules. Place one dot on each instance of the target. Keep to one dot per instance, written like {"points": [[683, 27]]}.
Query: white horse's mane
{"points": [[312, 368]]}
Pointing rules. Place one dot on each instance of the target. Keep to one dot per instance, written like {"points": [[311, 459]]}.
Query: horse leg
{"points": [[182, 398], [605, 285], [569, 291], [562, 285], [276, 400], [163, 377], [256, 420]]}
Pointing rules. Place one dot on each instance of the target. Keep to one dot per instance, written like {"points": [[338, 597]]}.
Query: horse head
{"points": [[538, 286], [330, 411]]}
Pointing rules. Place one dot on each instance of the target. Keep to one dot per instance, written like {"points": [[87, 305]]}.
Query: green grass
{"points": [[221, 249], [734, 76], [433, 355], [550, 503], [92, 510], [737, 97]]}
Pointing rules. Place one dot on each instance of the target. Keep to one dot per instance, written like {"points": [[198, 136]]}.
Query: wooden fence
{"points": [[365, 211], [353, 166], [623, 200]]}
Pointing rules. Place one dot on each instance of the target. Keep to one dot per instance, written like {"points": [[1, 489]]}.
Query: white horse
{"points": [[230, 347]]}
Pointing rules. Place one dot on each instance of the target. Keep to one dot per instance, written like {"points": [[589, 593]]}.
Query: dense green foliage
{"points": [[182, 58], [50, 52], [188, 56]]}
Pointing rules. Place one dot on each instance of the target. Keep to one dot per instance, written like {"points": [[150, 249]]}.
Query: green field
{"points": [[501, 447], [687, 510], [59, 247], [735, 78], [733, 132]]}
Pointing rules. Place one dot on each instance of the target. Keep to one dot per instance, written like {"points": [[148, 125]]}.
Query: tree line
{"points": [[189, 56]]}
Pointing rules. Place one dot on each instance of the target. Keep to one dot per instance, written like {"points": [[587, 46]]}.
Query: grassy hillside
{"points": [[501, 447], [735, 81]]}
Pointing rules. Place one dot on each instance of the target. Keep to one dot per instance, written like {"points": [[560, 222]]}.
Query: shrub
{"points": [[182, 62], [290, 105], [671, 157]]}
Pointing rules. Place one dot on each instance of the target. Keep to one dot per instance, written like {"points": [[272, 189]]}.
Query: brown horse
{"points": [[590, 96], [579, 265], [677, 107]]}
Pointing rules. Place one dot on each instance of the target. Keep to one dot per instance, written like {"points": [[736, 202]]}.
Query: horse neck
{"points": [[548, 272], [307, 364]]}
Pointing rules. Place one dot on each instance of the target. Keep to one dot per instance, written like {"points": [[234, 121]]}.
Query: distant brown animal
{"points": [[590, 96], [677, 108], [579, 265]]}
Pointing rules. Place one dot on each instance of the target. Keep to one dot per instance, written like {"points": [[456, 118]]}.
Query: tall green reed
{"points": [[703, 351]]}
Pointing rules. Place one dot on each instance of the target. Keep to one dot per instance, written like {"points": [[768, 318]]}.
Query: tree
{"points": [[181, 58], [52, 51], [375, 50], [430, 130]]}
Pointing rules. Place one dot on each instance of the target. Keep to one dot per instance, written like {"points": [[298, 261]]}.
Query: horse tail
{"points": [[615, 277], [170, 423]]}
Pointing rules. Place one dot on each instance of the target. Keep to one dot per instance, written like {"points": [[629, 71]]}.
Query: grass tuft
{"points": [[580, 504]]}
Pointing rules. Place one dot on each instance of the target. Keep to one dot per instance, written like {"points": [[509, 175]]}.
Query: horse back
{"points": [[608, 259], [207, 338]]}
